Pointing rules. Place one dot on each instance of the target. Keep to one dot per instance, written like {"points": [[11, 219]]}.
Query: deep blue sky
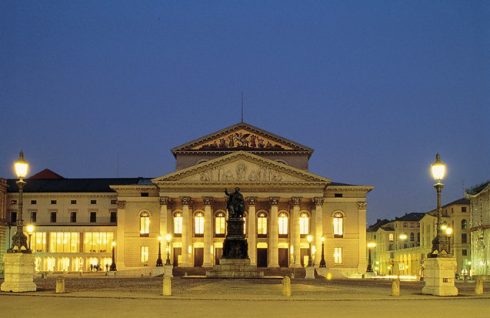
{"points": [[375, 87]]}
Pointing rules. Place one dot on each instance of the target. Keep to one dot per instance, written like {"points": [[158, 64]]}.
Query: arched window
{"points": [[412, 237], [283, 224], [464, 224], [144, 223], [262, 224], [219, 224], [199, 224], [178, 224], [304, 224], [338, 224]]}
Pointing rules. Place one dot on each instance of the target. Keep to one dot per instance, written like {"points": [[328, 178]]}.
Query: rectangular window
{"points": [[338, 227], [463, 209], [199, 225], [53, 217], [219, 224], [33, 202], [178, 224], [338, 195], [144, 254], [73, 217], [464, 252], [391, 237], [113, 217], [93, 201], [283, 225], [113, 201], [337, 255], [13, 217], [304, 225], [73, 202], [38, 242], [145, 194], [262, 225], [33, 216], [93, 217], [64, 242], [54, 201], [464, 238], [95, 242]]}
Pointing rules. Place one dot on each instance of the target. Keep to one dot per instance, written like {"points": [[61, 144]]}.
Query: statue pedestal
{"points": [[19, 273], [439, 276], [234, 268], [310, 272], [168, 270]]}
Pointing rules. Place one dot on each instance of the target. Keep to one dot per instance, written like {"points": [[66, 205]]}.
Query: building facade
{"points": [[78, 219]]}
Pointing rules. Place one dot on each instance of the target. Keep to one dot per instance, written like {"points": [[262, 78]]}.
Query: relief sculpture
{"points": [[242, 140]]}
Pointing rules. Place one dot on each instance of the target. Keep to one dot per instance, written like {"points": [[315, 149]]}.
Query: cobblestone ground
{"points": [[101, 296]]}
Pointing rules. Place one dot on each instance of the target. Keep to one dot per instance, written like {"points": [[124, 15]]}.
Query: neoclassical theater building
{"points": [[77, 220]]}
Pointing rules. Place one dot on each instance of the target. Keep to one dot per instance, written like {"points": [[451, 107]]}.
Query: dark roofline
{"points": [[477, 188], [458, 201]]}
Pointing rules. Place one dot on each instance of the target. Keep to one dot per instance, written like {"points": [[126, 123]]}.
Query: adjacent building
{"points": [[77, 220]]}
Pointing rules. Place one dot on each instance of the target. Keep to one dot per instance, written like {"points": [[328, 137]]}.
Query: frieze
{"points": [[241, 172]]}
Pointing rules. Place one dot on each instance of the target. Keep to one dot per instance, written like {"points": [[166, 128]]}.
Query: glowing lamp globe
{"points": [[21, 166], [438, 169]]}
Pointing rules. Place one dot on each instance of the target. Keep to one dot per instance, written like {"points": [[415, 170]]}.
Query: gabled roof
{"points": [[478, 188], [241, 167], [458, 201], [74, 185], [412, 216], [46, 174], [242, 137], [380, 223]]}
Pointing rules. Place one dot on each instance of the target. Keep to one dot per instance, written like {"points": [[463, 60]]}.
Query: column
{"points": [[252, 232], [208, 231], [164, 217], [273, 235], [318, 228], [295, 233], [186, 232], [120, 229], [361, 216]]}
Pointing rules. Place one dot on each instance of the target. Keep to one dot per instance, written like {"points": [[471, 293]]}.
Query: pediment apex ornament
{"points": [[274, 200], [362, 205], [318, 200], [296, 200], [186, 200], [208, 200], [251, 200], [165, 201], [121, 204]]}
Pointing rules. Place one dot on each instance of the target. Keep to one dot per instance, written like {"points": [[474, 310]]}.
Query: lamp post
{"points": [[113, 267], [30, 230], [322, 261], [19, 241], [402, 237], [168, 238], [439, 243], [370, 246], [449, 232], [159, 259], [309, 238]]}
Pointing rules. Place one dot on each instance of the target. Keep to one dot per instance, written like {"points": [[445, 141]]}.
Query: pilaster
{"points": [[208, 231], [295, 232], [318, 201], [274, 235], [252, 233], [120, 230], [186, 233], [361, 216]]}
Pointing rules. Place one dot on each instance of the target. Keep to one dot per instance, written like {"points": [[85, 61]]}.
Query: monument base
{"points": [[439, 276], [309, 272], [19, 273], [234, 268]]}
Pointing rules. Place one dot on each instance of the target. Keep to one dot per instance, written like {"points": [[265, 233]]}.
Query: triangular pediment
{"points": [[242, 137], [241, 167]]}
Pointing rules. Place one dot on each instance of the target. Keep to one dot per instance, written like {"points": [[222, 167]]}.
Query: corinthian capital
{"points": [[121, 204], [165, 201], [362, 205], [186, 200], [274, 200], [207, 200], [295, 200], [318, 200], [251, 200]]}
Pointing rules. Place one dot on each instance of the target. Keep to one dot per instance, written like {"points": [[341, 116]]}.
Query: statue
{"points": [[235, 204]]}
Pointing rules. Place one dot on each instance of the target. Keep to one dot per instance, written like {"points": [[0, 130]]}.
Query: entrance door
{"points": [[261, 257], [218, 252], [304, 252], [198, 256], [283, 257], [177, 253]]}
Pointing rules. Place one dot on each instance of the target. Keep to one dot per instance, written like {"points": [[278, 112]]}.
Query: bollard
{"points": [[60, 285], [479, 285], [395, 287], [286, 286], [167, 286]]}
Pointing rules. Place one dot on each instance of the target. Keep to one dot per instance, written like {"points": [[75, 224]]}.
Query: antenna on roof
{"points": [[242, 109]]}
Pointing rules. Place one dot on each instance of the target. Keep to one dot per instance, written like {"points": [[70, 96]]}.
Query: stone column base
{"points": [[439, 276], [19, 273], [168, 270]]}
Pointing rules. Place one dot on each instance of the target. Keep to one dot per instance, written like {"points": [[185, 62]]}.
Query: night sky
{"points": [[107, 88]]}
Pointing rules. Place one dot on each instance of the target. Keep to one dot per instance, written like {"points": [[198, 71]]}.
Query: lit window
{"points": [[144, 254], [304, 224], [262, 224], [38, 242], [219, 224], [338, 224], [283, 224], [178, 223], [199, 224], [391, 237], [337, 255], [94, 242], [464, 224], [144, 223], [63, 242]]}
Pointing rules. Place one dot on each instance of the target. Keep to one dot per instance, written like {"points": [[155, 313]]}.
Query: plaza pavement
{"points": [[101, 296]]}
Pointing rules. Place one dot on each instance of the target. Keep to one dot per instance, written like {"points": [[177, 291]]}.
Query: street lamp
{"points": [[159, 259], [19, 240], [168, 238], [113, 264], [309, 238], [370, 246], [439, 243], [30, 230], [322, 262]]}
